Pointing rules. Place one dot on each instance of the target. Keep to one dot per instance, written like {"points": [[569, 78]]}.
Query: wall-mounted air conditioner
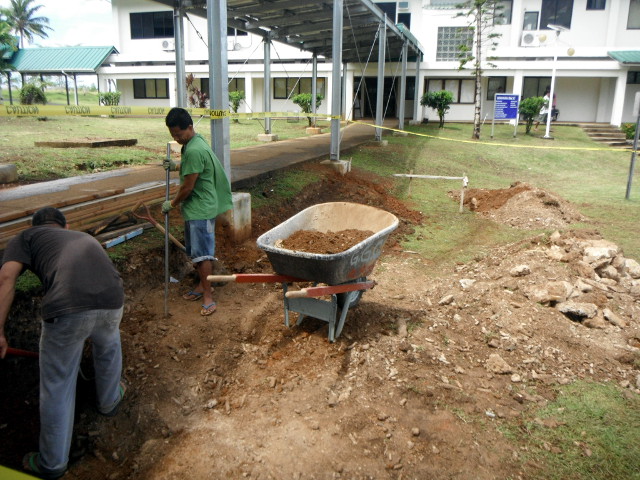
{"points": [[403, 6], [531, 38], [169, 45]]}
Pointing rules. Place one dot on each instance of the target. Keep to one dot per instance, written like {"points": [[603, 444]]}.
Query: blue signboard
{"points": [[506, 106]]}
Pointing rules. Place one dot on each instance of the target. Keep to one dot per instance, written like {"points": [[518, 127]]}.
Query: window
{"points": [[596, 4], [502, 12], [151, 25], [496, 85], [389, 8], [284, 88], [444, 3], [530, 21], [633, 21], [556, 12], [234, 85], [463, 90], [151, 88], [450, 39], [535, 86], [633, 78]]}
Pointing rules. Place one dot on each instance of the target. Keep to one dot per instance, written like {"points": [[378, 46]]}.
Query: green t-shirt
{"points": [[211, 194]]}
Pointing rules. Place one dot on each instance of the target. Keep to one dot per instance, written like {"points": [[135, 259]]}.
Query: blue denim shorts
{"points": [[200, 239]]}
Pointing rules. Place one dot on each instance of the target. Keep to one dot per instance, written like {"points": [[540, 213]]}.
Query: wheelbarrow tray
{"points": [[332, 269]]}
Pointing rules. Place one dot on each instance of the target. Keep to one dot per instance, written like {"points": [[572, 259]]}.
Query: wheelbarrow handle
{"points": [[21, 353], [329, 290]]}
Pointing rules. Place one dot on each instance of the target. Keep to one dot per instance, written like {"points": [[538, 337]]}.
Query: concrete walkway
{"points": [[247, 165]]}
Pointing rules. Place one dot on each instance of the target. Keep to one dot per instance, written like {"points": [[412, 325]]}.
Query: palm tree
{"points": [[21, 15]]}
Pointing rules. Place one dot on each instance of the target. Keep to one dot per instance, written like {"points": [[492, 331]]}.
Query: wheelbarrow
{"points": [[341, 276]]}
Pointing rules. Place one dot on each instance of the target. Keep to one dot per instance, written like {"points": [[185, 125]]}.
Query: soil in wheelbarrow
{"points": [[329, 243], [429, 375]]}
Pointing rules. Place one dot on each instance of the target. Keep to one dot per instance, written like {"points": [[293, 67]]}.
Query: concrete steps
{"points": [[607, 134]]}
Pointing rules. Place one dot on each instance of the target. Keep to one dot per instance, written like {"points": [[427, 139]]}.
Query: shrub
{"points": [[31, 94], [629, 130], [110, 98], [303, 100], [235, 99], [196, 97], [530, 109], [440, 101]]}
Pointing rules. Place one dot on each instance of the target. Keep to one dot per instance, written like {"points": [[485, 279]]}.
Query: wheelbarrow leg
{"points": [[352, 297]]}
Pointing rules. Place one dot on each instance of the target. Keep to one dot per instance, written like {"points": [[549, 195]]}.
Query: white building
{"points": [[597, 83]]}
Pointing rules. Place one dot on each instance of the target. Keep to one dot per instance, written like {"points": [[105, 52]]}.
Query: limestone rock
{"points": [[520, 271], [496, 364], [632, 267], [577, 311]]}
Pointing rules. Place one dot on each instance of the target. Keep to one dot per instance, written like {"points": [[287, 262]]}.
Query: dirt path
{"points": [[426, 371]]}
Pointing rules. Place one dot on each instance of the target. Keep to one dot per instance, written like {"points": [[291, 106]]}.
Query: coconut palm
{"points": [[21, 15]]}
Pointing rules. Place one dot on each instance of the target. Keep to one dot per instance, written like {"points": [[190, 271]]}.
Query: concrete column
{"points": [[417, 93], [618, 99], [248, 92]]}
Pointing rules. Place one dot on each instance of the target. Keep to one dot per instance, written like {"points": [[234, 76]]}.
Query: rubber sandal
{"points": [[122, 388], [31, 463], [192, 295], [208, 309]]}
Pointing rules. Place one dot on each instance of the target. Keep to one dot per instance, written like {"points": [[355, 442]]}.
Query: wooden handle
{"points": [[21, 353], [221, 278], [297, 293]]}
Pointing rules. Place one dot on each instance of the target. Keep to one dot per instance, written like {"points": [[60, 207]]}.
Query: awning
{"points": [[626, 57], [59, 60]]}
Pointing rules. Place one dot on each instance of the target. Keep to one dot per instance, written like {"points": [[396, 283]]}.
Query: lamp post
{"points": [[558, 29]]}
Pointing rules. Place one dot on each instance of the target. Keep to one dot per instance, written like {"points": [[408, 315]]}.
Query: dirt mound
{"points": [[523, 206]]}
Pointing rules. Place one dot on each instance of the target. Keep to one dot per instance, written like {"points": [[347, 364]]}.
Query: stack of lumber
{"points": [[85, 212]]}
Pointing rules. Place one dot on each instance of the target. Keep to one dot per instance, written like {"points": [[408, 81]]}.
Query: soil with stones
{"points": [[428, 367]]}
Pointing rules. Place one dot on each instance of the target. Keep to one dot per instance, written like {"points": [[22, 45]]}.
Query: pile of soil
{"points": [[423, 380], [328, 243]]}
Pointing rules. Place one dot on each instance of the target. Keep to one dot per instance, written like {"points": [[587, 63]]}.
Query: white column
{"points": [[248, 93], [618, 99]]}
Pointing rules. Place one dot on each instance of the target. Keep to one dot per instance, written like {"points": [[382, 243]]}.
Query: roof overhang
{"points": [[309, 26], [626, 57], [61, 60]]}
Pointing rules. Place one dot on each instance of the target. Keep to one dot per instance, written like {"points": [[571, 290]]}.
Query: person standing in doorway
{"points": [[204, 193], [544, 111], [83, 299]]}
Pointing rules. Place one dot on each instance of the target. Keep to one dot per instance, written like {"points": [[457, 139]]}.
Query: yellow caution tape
{"points": [[118, 110], [478, 142]]}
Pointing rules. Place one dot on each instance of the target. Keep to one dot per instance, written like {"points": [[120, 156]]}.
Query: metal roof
{"points": [[59, 59], [626, 57], [308, 25]]}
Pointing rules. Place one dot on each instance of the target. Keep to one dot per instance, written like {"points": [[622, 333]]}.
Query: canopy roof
{"points": [[309, 25], [626, 57], [50, 60]]}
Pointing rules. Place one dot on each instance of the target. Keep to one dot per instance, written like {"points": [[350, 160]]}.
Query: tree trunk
{"points": [[477, 94]]}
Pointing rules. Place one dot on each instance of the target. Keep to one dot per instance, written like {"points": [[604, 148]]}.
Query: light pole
{"points": [[558, 29]]}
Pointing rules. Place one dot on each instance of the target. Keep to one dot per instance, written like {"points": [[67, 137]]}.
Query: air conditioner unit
{"points": [[403, 6], [530, 38], [168, 45]]}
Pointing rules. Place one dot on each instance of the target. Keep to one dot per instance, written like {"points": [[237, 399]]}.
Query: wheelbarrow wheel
{"points": [[342, 297]]}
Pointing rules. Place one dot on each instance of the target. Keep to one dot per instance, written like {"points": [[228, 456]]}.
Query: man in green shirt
{"points": [[204, 193]]}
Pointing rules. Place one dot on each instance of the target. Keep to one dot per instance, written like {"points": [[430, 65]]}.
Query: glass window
{"points": [[530, 21], [389, 8], [151, 25], [236, 85], [535, 86], [556, 12], [150, 88], [449, 41], [233, 32], [633, 78], [596, 4], [633, 21], [496, 85], [502, 12], [284, 88], [462, 90]]}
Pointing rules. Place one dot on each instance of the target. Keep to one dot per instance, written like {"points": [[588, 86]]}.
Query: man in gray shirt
{"points": [[83, 298]]}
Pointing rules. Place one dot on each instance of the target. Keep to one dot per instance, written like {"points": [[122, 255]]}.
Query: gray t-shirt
{"points": [[74, 269]]}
